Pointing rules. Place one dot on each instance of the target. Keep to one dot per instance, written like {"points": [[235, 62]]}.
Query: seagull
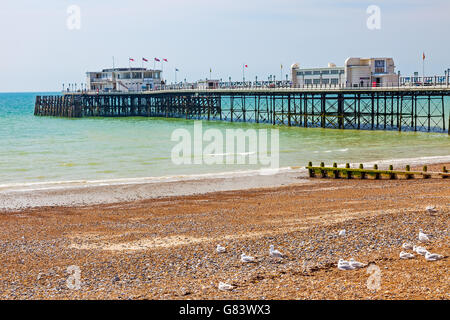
{"points": [[433, 256], [275, 253], [225, 286], [423, 236], [407, 246], [342, 233], [220, 249], [431, 209], [406, 255], [420, 250], [344, 265], [355, 264], [247, 259]]}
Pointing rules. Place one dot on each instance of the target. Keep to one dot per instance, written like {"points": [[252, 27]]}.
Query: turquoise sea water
{"points": [[41, 149]]}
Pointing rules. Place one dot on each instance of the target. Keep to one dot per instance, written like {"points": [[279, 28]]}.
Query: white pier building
{"points": [[123, 80], [356, 72]]}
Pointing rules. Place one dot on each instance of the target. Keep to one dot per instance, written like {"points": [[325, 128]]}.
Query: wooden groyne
{"points": [[363, 173], [380, 109]]}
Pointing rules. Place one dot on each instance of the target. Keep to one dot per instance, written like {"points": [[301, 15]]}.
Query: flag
{"points": [[156, 59], [423, 56], [131, 59], [246, 66], [210, 70], [143, 59], [165, 60]]}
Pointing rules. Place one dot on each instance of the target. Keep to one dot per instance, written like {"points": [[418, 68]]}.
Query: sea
{"points": [[37, 149]]}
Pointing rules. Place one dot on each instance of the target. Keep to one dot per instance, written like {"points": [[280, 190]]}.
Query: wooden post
{"points": [[363, 174], [377, 175], [444, 170], [349, 173], [392, 176], [425, 176], [312, 174], [335, 172], [408, 176], [323, 173]]}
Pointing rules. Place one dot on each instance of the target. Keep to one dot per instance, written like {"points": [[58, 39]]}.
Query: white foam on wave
{"points": [[229, 154], [52, 185], [330, 151]]}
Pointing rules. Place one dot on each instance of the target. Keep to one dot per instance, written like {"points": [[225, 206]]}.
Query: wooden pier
{"points": [[401, 108]]}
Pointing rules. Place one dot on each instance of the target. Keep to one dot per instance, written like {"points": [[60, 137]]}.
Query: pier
{"points": [[387, 108]]}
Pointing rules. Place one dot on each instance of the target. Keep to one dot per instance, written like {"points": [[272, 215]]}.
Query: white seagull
{"points": [[407, 246], [423, 236], [225, 286], [431, 209], [275, 253], [342, 233], [220, 249], [406, 255], [433, 256], [355, 264], [420, 250], [344, 265], [247, 259]]}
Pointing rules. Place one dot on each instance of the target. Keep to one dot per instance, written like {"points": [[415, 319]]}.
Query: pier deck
{"points": [[394, 108]]}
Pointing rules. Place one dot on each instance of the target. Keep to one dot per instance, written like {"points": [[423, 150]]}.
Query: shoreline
{"points": [[17, 197]]}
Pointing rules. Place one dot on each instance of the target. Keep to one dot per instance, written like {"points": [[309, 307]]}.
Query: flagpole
{"points": [[281, 72], [423, 69]]}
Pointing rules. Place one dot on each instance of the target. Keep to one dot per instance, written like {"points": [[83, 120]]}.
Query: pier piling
{"points": [[387, 109]]}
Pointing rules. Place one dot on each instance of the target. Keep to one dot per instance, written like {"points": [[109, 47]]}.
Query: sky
{"points": [[39, 52]]}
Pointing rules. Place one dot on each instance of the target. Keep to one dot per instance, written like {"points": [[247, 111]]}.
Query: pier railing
{"points": [[418, 83]]}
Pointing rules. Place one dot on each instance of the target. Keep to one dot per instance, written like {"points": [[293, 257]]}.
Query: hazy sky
{"points": [[39, 52]]}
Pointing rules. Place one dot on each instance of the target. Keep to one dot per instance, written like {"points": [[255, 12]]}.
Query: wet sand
{"points": [[164, 248]]}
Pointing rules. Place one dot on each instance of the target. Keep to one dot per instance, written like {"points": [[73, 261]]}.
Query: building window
{"points": [[326, 72], [334, 81], [308, 73], [325, 81], [316, 81], [334, 71], [316, 72], [299, 73], [308, 81], [380, 66]]}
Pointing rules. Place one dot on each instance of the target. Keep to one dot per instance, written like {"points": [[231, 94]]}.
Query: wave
{"points": [[31, 186], [230, 154], [329, 151]]}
